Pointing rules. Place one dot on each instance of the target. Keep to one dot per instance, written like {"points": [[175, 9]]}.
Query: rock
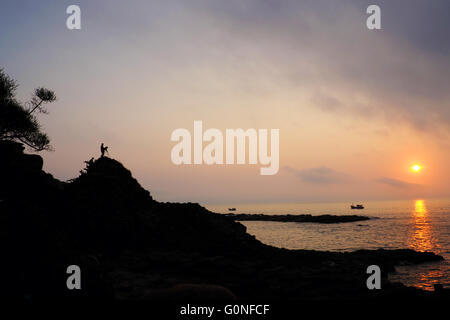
{"points": [[193, 292], [10, 148], [32, 162], [22, 175], [438, 288], [121, 237], [326, 218]]}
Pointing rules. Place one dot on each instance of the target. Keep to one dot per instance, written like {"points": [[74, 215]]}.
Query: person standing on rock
{"points": [[103, 149]]}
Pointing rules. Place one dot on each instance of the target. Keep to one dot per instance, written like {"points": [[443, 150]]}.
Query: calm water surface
{"points": [[422, 225]]}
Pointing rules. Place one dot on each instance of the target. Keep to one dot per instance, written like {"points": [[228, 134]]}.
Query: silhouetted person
{"points": [[103, 149]]}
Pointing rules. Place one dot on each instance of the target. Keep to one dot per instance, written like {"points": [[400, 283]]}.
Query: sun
{"points": [[416, 168]]}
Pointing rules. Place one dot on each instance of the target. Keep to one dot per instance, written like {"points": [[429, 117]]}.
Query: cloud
{"points": [[399, 74], [397, 183], [326, 102], [320, 175]]}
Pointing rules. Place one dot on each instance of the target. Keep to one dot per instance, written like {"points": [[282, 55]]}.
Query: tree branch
{"points": [[37, 106]]}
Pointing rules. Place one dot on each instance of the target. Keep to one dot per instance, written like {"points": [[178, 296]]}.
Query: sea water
{"points": [[420, 224]]}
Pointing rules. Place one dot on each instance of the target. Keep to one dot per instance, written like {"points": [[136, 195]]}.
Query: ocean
{"points": [[421, 224]]}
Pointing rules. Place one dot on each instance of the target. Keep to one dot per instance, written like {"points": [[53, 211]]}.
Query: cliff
{"points": [[130, 246]]}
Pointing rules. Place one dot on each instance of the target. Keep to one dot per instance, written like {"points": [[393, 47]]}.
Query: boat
{"points": [[358, 206], [231, 209]]}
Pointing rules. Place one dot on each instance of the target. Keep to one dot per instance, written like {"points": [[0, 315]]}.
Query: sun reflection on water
{"points": [[422, 239]]}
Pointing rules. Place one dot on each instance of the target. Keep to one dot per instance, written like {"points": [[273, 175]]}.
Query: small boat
{"points": [[231, 209], [358, 206]]}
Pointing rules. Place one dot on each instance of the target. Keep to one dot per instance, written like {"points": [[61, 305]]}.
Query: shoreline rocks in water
{"points": [[130, 246], [326, 218]]}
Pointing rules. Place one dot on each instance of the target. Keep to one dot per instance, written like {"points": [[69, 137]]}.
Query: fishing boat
{"points": [[358, 206]]}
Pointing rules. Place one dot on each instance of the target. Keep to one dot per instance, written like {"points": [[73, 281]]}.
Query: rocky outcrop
{"points": [[192, 292], [326, 218], [130, 246], [22, 176]]}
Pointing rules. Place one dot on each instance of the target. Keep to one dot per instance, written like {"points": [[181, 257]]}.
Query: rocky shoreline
{"points": [[130, 246], [326, 218]]}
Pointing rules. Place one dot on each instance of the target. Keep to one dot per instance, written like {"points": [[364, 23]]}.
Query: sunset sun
{"points": [[416, 168]]}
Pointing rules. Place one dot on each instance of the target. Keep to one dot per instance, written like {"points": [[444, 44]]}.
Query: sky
{"points": [[356, 108]]}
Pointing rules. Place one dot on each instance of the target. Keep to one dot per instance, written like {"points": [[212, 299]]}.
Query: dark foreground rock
{"points": [[326, 218], [130, 246], [279, 275]]}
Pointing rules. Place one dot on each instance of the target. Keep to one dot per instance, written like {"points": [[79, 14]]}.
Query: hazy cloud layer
{"points": [[400, 73], [320, 175], [397, 183]]}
